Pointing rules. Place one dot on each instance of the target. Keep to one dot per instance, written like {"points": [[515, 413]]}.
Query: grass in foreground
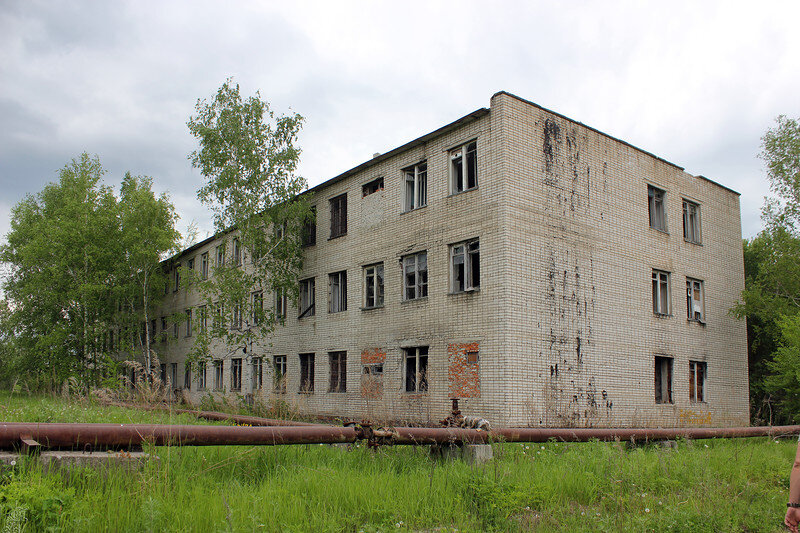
{"points": [[720, 485]]}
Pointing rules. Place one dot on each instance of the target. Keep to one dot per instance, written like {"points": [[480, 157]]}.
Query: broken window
{"points": [[337, 292], [416, 369], [338, 376], [188, 322], [416, 186], [307, 372], [695, 309], [463, 168], [465, 266], [307, 297], [237, 252], [373, 286], [658, 213], [338, 216], [691, 222], [372, 187], [204, 265], [258, 307], [415, 276], [279, 372], [201, 375], [697, 381], [280, 304], [661, 299], [236, 373], [220, 255], [218, 375], [176, 278], [257, 373], [663, 379], [309, 236], [173, 371], [187, 376], [373, 369], [164, 374]]}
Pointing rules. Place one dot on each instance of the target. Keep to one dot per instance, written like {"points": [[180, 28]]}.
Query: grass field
{"points": [[714, 485]]}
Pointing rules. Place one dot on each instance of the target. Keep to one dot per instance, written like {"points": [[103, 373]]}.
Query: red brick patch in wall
{"points": [[372, 360], [463, 371]]}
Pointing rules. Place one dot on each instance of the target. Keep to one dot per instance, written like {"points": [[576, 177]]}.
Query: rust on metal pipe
{"points": [[127, 435]]}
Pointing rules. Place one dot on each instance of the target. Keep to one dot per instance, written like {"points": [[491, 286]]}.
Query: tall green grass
{"points": [[719, 485]]}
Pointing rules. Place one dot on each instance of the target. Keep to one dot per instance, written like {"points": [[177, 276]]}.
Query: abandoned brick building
{"points": [[539, 270]]}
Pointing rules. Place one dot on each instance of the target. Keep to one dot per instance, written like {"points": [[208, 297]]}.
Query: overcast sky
{"points": [[696, 83]]}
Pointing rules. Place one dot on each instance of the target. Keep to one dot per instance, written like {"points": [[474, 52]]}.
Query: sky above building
{"points": [[696, 83]]}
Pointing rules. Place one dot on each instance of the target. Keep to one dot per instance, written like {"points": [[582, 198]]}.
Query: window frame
{"points": [[337, 364], [204, 266], [663, 368], [337, 303], [187, 376], [236, 374], [237, 252], [281, 304], [308, 298], [201, 376], [257, 373], [306, 373], [466, 154], [657, 208], [309, 236], [416, 176], [691, 286], [279, 369], [420, 285], [692, 222], [470, 257], [188, 313], [338, 210], [372, 187], [219, 375], [698, 394], [257, 298], [220, 255], [657, 292], [411, 383], [374, 277]]}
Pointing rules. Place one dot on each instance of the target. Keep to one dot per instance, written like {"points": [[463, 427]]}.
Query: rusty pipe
{"points": [[125, 435]]}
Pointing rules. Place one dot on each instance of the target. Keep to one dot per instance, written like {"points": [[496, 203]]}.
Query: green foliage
{"points": [[248, 158], [772, 281], [34, 501], [81, 261]]}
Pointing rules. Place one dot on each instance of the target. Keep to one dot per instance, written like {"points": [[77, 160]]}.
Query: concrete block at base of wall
{"points": [[70, 459], [469, 453]]}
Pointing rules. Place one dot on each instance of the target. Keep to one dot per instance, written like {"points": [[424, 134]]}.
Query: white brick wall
{"points": [[566, 257]]}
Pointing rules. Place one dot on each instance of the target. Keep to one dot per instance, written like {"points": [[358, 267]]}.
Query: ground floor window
{"points": [[218, 375], [338, 376], [663, 379], [258, 373], [201, 375], [416, 369], [307, 372], [236, 374], [697, 381], [279, 373]]}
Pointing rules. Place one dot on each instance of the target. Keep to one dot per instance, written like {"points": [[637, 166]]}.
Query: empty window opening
{"points": [[464, 168], [691, 222], [204, 266], [279, 373], [307, 372], [257, 373], [258, 308], [307, 297], [280, 304], [415, 276], [465, 263], [237, 252], [661, 299], [658, 213], [173, 375], [695, 309], [663, 379], [416, 369], [236, 318], [373, 286], [220, 255], [177, 278], [416, 186], [187, 376], [337, 292], [338, 374], [339, 216], [236, 373], [373, 369], [201, 375], [372, 187], [697, 381], [309, 237], [218, 375]]}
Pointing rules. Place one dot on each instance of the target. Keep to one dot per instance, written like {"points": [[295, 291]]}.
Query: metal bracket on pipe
{"points": [[28, 446]]}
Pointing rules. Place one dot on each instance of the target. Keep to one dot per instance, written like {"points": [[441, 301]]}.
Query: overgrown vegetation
{"points": [[771, 300], [717, 485]]}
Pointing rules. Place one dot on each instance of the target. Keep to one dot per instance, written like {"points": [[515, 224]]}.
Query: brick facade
{"points": [[560, 329]]}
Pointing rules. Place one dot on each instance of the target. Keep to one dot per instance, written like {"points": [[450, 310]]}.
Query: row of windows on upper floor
{"points": [[658, 215], [463, 176]]}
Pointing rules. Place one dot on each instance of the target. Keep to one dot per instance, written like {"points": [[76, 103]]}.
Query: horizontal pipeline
{"points": [[100, 436]]}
